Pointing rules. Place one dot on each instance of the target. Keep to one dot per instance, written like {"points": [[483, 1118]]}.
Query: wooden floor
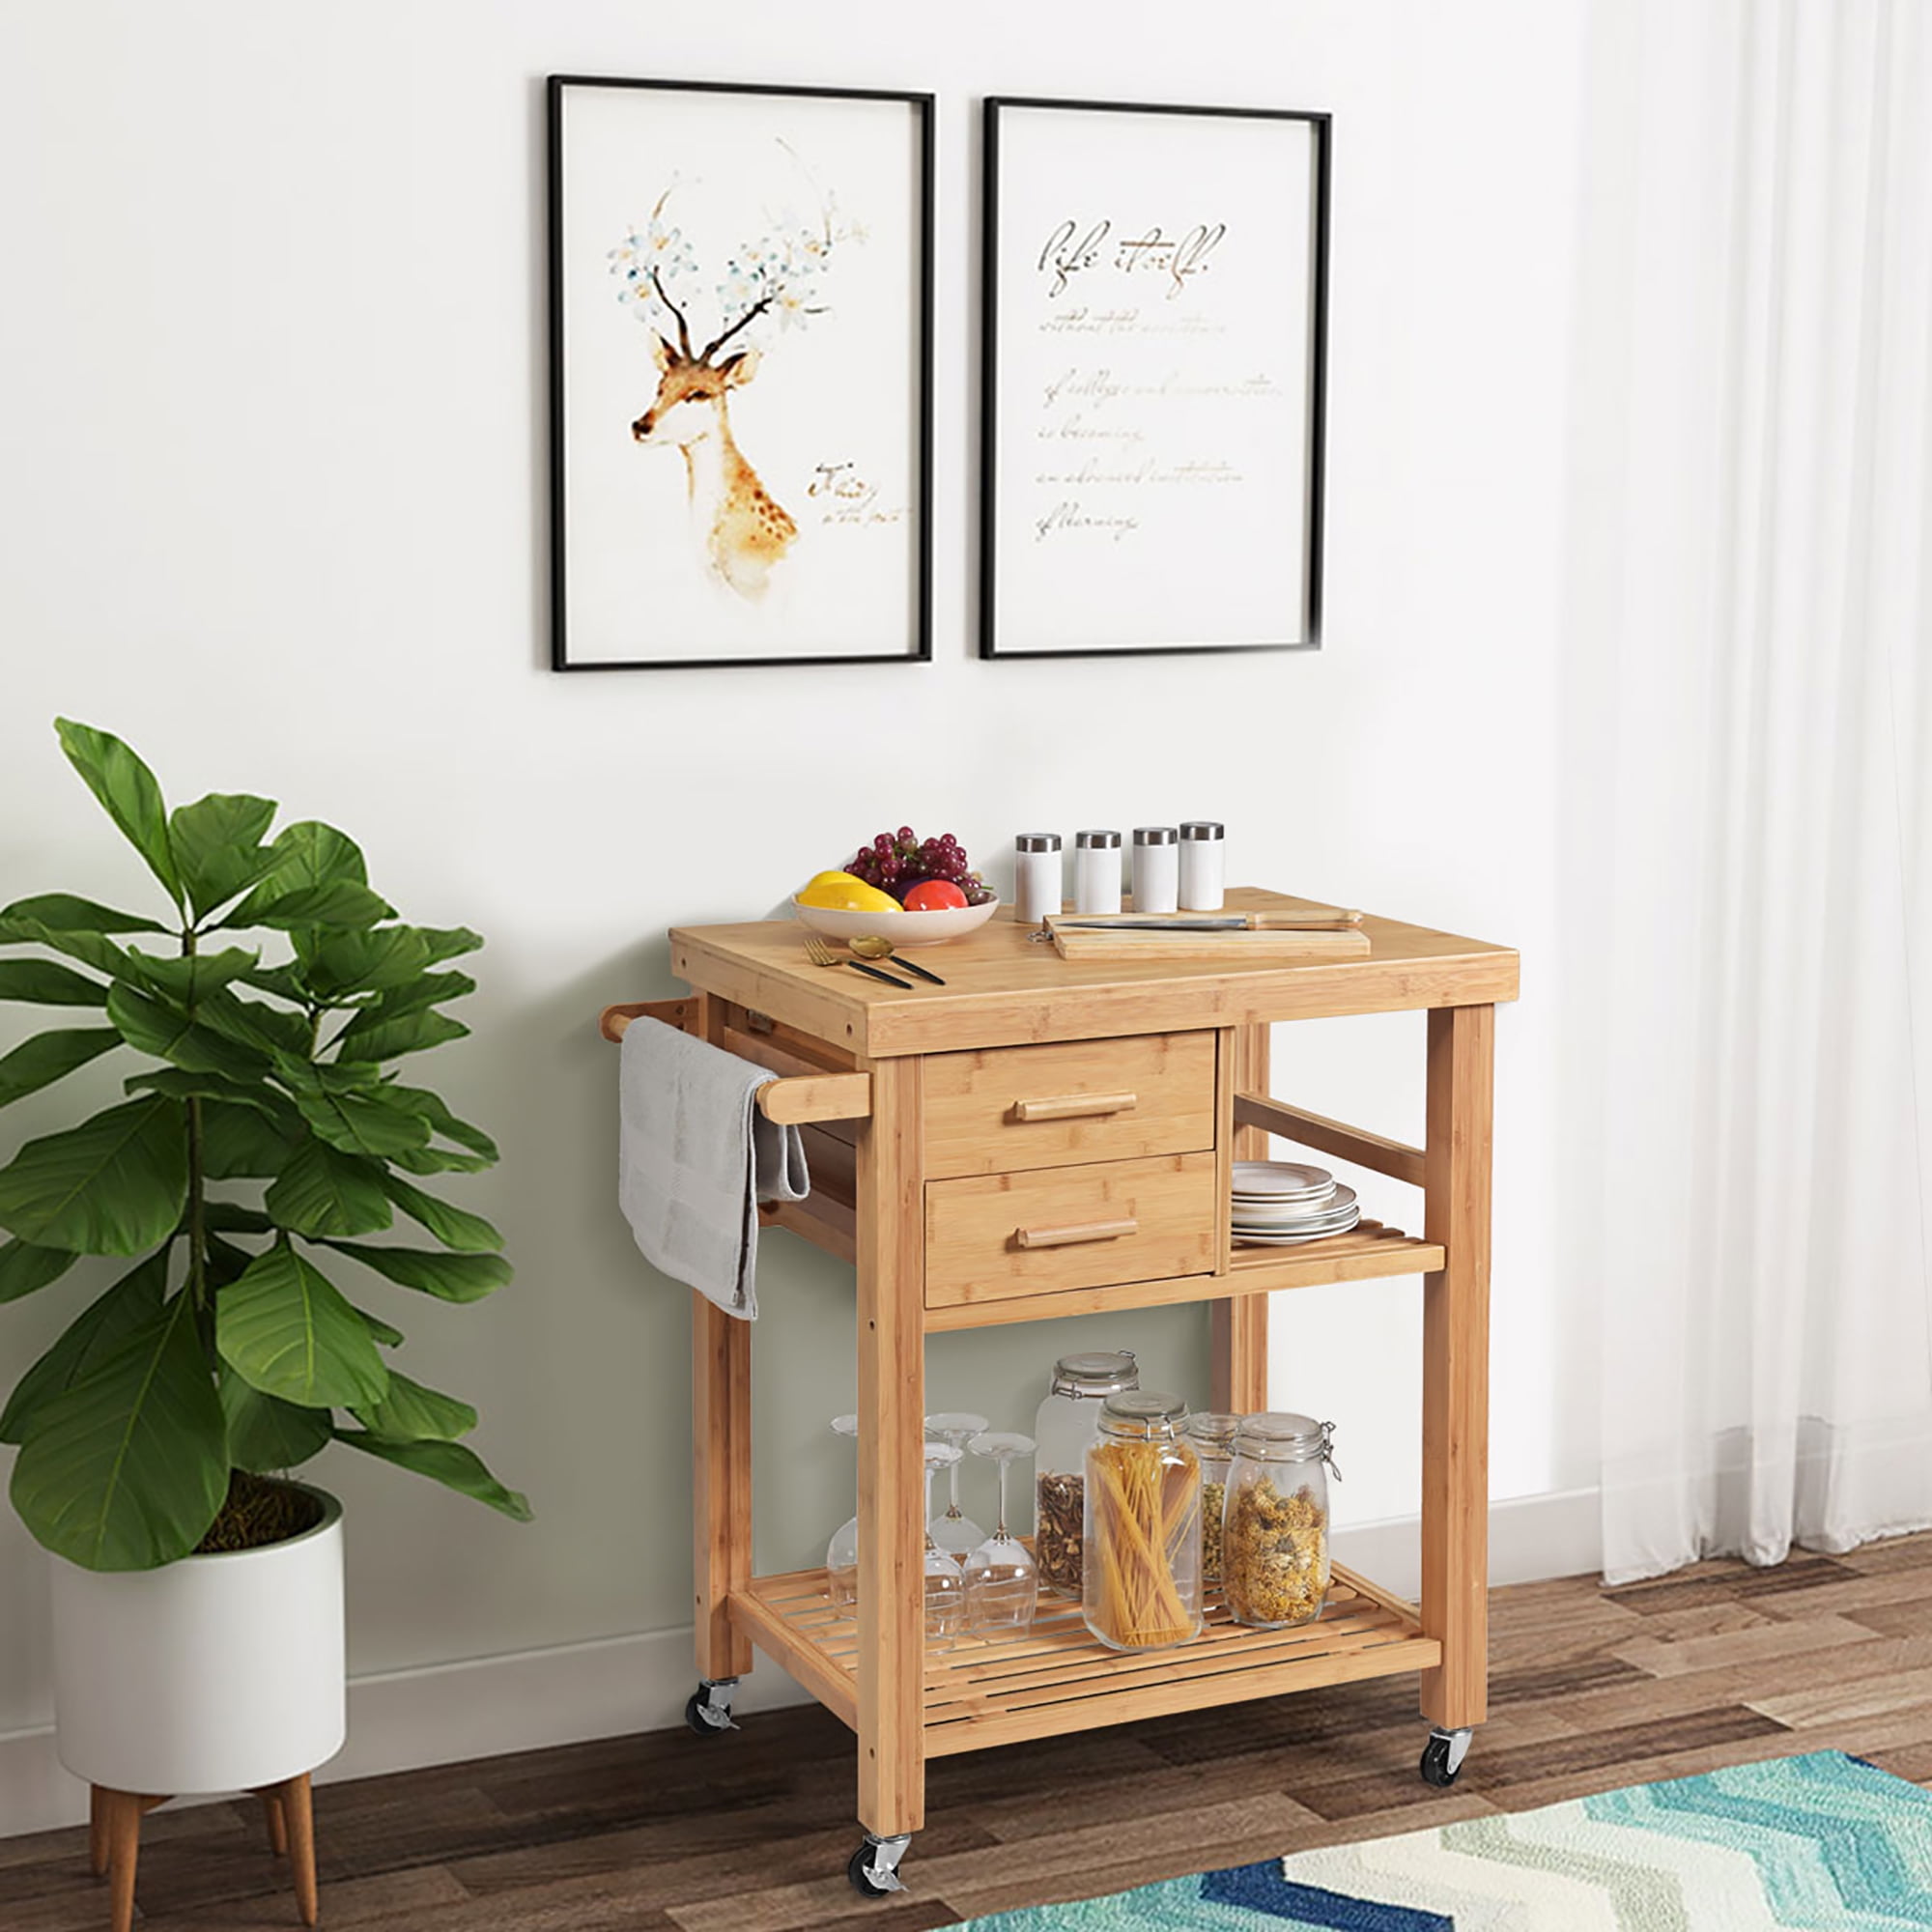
{"points": [[750, 1832]]}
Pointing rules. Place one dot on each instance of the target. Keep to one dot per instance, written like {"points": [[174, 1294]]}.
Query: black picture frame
{"points": [[923, 107], [1319, 125]]}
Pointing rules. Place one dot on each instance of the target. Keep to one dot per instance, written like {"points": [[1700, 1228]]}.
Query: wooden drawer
{"points": [[1014, 1107], [991, 1237]]}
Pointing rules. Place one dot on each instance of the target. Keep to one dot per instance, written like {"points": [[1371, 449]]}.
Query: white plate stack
{"points": [[1280, 1203]]}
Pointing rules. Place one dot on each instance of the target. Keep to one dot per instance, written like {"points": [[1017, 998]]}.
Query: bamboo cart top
{"points": [[1001, 989]]}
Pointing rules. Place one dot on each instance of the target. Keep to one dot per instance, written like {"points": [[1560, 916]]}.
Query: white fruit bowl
{"points": [[901, 928]]}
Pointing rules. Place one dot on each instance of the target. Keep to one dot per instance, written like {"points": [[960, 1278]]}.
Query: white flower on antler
{"points": [[773, 276]]}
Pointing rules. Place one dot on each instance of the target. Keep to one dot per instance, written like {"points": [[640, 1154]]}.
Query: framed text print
{"points": [[1156, 299], [741, 372]]}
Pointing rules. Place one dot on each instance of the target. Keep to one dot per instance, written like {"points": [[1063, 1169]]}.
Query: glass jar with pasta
{"points": [[1274, 1533], [1141, 1562]]}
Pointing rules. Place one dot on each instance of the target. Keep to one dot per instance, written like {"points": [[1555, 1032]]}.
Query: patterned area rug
{"points": [[1823, 1842]]}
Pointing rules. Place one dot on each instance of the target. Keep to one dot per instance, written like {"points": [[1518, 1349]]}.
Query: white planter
{"points": [[215, 1674]]}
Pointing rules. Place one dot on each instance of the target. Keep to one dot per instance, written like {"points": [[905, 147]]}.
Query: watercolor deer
{"points": [[745, 531]]}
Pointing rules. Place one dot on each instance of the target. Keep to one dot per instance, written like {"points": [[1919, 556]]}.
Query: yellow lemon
{"points": [[841, 892]]}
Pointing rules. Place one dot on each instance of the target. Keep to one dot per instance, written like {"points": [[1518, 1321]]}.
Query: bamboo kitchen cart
{"points": [[1046, 1136]]}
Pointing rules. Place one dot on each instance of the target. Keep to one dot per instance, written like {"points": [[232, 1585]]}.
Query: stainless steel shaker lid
{"points": [[1153, 835], [1192, 829], [1102, 839], [1036, 841]]}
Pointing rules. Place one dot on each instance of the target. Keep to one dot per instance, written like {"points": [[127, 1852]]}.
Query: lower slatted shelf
{"points": [[987, 1689]]}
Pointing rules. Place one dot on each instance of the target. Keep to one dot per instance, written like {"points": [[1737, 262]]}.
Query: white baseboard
{"points": [[441, 1714]]}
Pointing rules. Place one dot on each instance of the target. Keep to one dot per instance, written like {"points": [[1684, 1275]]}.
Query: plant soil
{"points": [[259, 1511]]}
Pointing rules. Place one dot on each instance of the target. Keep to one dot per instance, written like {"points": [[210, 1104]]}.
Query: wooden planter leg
{"points": [[116, 1816], [1456, 1366], [293, 1800], [276, 1820], [891, 1402]]}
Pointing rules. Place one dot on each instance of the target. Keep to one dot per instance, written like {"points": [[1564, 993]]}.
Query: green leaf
{"points": [[372, 1036], [91, 948], [266, 1434], [439, 1160], [448, 1462], [90, 1337], [127, 1467], [239, 1143], [25, 1268], [431, 989], [188, 979], [128, 793], [255, 1024], [388, 1337], [226, 1263], [217, 842], [412, 1413], [47, 983], [436, 1111], [113, 1185], [453, 1227], [234, 1218], [48, 1057], [285, 982], [450, 942], [325, 1191], [447, 1277], [366, 961], [63, 912], [339, 904], [157, 1026], [370, 1123], [285, 1330], [307, 852]]}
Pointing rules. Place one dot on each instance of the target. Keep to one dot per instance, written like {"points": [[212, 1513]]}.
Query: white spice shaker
{"points": [[1156, 868], [1036, 891], [1202, 865], [1097, 871]]}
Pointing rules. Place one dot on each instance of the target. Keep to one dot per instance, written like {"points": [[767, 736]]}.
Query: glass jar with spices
{"points": [[1066, 1422], [1213, 1435], [1141, 1568], [1274, 1530]]}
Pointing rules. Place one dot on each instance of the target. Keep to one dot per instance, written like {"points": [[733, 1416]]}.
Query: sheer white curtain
{"points": [[1750, 919]]}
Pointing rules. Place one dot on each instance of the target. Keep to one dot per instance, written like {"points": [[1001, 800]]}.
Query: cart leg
{"points": [[721, 1418], [1241, 1323], [892, 1401], [1455, 1371]]}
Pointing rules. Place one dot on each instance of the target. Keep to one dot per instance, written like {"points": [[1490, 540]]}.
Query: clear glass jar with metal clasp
{"points": [[1140, 1569], [1065, 1423], [1274, 1526], [1213, 1435]]}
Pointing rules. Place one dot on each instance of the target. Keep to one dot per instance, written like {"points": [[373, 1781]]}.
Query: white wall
{"points": [[271, 379]]}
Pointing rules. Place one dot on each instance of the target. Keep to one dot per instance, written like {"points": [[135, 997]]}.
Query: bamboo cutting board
{"points": [[1227, 949]]}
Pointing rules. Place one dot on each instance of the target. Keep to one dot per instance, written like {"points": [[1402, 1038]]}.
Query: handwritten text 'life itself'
{"points": [[1071, 250]]}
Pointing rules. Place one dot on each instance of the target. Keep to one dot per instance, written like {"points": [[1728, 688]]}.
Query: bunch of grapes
{"points": [[896, 862]]}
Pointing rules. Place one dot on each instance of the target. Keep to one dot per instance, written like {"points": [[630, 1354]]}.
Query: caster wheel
{"points": [[862, 1880], [874, 1869], [1442, 1758], [708, 1711]]}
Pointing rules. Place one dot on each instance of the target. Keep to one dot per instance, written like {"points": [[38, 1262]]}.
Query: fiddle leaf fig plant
{"points": [[267, 1134]]}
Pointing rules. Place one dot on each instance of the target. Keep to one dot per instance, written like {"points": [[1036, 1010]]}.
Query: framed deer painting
{"points": [[740, 372], [1154, 344]]}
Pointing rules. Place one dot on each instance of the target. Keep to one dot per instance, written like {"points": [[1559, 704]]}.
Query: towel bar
{"points": [[791, 1102]]}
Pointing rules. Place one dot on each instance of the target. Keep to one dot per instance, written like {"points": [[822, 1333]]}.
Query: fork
{"points": [[821, 954]]}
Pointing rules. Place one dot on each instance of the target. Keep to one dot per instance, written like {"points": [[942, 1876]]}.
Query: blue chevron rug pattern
{"points": [[1822, 1842]]}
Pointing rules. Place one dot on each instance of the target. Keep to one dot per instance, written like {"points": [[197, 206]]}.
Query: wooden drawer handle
{"points": [[1073, 1106], [1085, 1231]]}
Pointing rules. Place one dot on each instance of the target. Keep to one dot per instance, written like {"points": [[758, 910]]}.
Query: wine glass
{"points": [[841, 1553], [954, 1530], [945, 1586], [1002, 1580]]}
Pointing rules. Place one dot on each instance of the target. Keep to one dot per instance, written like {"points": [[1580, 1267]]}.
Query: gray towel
{"points": [[695, 1156]]}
